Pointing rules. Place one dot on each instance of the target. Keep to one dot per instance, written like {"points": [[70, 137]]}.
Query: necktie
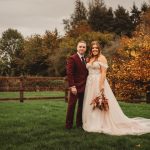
{"points": [[83, 60]]}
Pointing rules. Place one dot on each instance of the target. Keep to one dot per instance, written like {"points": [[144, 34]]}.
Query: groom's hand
{"points": [[73, 90]]}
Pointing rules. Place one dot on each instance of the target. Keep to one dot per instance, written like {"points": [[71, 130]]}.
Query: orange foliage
{"points": [[131, 64]]}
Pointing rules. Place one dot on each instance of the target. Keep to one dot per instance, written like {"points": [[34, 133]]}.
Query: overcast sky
{"points": [[37, 16]]}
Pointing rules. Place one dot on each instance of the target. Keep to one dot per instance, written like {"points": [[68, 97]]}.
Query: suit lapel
{"points": [[79, 60]]}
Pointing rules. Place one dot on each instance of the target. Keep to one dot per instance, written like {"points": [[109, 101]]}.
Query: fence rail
{"points": [[23, 84], [27, 83]]}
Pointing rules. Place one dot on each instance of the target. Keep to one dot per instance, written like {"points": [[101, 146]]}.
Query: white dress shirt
{"points": [[80, 56]]}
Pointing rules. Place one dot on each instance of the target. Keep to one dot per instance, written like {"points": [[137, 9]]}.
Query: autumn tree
{"points": [[35, 56], [77, 21], [42, 55], [131, 63], [4, 63], [51, 43], [96, 15], [145, 7], [11, 45], [135, 16], [123, 23]]}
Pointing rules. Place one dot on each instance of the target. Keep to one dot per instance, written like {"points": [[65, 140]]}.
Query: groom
{"points": [[77, 74]]}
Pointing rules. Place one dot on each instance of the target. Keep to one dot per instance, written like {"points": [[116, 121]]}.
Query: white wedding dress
{"points": [[114, 121]]}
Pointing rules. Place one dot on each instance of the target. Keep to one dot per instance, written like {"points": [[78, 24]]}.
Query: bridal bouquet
{"points": [[100, 102]]}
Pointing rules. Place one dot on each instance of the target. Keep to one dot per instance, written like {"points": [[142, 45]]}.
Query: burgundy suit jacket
{"points": [[76, 73]]}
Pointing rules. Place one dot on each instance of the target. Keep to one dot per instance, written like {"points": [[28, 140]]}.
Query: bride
{"points": [[113, 121]]}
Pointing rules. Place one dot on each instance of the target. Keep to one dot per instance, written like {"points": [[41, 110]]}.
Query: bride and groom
{"points": [[86, 80]]}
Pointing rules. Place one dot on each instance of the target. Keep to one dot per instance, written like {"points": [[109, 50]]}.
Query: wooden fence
{"points": [[23, 84]]}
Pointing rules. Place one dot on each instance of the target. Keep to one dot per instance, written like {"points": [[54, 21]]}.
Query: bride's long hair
{"points": [[99, 50]]}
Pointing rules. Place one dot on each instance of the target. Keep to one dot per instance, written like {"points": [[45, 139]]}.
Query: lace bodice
{"points": [[95, 67]]}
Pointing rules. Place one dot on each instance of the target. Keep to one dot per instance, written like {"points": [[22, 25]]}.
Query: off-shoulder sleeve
{"points": [[103, 64]]}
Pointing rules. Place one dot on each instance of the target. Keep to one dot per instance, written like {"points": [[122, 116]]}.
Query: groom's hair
{"points": [[81, 42]]}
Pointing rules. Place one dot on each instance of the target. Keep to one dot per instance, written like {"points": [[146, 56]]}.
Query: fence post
{"points": [[21, 90]]}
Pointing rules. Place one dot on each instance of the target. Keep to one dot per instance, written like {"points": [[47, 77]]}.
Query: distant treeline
{"points": [[45, 55]]}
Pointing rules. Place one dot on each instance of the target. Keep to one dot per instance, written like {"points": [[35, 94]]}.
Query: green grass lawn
{"points": [[39, 125], [32, 94]]}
